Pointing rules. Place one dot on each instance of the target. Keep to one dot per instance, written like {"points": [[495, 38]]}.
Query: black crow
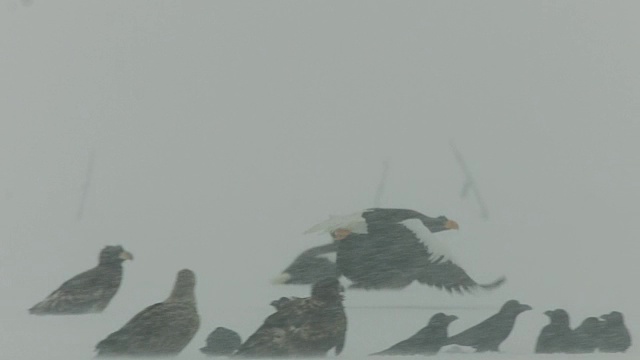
{"points": [[614, 336], [162, 329], [586, 337], [302, 327], [557, 336], [90, 291], [427, 341], [489, 334], [391, 248], [222, 342]]}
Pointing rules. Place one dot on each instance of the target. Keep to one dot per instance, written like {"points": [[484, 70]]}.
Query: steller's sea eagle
{"points": [[390, 248]]}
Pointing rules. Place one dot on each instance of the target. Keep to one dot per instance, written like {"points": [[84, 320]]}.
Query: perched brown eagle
{"points": [[90, 291], [162, 329], [302, 327]]}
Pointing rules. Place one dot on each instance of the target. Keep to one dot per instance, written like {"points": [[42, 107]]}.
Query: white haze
{"points": [[223, 130]]}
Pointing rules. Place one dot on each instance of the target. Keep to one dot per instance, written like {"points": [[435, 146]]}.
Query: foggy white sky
{"points": [[222, 130]]}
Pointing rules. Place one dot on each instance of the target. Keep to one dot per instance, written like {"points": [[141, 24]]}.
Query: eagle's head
{"points": [[114, 255], [328, 290]]}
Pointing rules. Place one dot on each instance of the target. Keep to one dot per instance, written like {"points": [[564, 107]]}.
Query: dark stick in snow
{"points": [[470, 184], [86, 185], [377, 201]]}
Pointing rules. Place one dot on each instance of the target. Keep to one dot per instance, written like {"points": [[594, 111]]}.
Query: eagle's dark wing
{"points": [[160, 329], [433, 262], [452, 277], [89, 291]]}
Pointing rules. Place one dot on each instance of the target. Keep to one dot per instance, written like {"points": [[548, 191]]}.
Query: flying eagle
{"points": [[90, 291], [390, 248], [302, 327], [162, 329]]}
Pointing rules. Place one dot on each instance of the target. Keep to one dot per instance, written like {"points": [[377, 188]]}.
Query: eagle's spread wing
{"points": [[452, 277], [437, 266]]}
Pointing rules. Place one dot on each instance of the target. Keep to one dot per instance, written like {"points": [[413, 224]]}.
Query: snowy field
{"points": [[376, 320], [222, 130]]}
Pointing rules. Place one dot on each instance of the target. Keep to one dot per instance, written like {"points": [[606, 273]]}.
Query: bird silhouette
{"points": [[427, 341], [489, 334]]}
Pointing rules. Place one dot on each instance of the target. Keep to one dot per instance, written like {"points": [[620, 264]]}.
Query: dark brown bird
{"points": [[302, 327], [427, 341], [90, 291], [162, 329]]}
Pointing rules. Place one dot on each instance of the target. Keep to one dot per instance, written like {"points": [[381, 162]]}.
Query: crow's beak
{"points": [[525, 307]]}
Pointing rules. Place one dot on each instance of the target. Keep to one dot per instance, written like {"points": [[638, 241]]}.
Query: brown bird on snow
{"points": [[90, 291], [162, 329], [302, 327]]}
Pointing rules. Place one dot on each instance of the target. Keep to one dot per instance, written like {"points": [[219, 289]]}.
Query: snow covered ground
{"points": [[223, 130], [376, 319]]}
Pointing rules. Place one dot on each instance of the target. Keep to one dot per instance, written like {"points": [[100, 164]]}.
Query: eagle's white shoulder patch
{"points": [[434, 245], [354, 222], [281, 279]]}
